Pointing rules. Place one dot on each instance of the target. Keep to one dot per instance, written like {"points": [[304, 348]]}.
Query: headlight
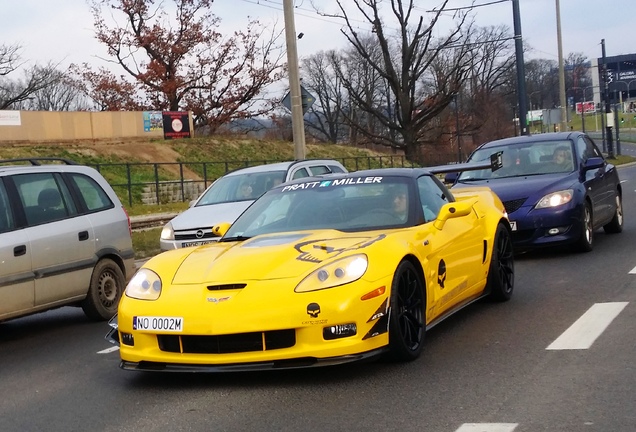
{"points": [[167, 233], [343, 271], [556, 199], [145, 285]]}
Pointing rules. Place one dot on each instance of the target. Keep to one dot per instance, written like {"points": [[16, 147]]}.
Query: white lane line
{"points": [[633, 271], [487, 427], [583, 333], [108, 350]]}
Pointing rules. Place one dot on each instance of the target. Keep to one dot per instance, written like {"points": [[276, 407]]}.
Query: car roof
{"points": [[282, 166], [551, 136]]}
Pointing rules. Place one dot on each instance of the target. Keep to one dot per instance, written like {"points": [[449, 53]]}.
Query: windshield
{"points": [[241, 187], [347, 204], [524, 159]]}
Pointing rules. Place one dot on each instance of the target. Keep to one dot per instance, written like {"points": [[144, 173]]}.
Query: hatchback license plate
{"points": [[195, 243]]}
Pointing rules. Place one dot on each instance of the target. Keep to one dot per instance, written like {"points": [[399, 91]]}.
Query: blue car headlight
{"points": [[556, 199], [145, 285], [340, 272]]}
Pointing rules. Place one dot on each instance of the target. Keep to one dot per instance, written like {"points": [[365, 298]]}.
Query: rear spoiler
{"points": [[494, 164]]}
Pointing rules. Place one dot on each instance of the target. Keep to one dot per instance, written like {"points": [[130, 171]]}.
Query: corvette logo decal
{"points": [[313, 310], [317, 251], [441, 273]]}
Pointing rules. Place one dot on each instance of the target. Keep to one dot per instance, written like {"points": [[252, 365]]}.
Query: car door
{"points": [[598, 182], [62, 241], [17, 292], [454, 252]]}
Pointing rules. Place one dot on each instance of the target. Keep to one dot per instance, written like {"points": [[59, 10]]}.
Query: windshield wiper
{"points": [[471, 180], [235, 238]]}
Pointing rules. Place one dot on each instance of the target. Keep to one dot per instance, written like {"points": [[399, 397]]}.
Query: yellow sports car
{"points": [[320, 271]]}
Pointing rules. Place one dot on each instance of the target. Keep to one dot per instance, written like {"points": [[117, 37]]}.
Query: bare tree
{"points": [[417, 92], [9, 58], [14, 93], [185, 63], [325, 121]]}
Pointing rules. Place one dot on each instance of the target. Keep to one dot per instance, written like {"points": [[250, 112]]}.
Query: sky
{"points": [[61, 31]]}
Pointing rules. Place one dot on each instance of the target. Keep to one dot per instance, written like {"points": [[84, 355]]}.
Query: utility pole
{"points": [[521, 73], [608, 108], [298, 123], [564, 119]]}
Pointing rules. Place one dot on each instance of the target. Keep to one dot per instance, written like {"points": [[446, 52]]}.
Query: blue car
{"points": [[557, 188]]}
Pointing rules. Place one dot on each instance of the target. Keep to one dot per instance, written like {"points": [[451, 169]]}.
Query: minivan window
{"points": [[44, 199], [6, 217], [94, 196]]}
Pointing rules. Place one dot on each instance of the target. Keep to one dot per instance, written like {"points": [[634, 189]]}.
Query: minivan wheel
{"points": [[106, 288]]}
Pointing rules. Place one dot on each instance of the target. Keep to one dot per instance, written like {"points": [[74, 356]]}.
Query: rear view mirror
{"points": [[220, 229], [453, 210]]}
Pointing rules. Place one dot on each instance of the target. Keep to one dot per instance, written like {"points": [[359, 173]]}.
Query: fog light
{"points": [[339, 331], [127, 339], [558, 230]]}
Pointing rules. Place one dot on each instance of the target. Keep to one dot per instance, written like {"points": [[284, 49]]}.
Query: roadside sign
{"points": [[306, 100]]}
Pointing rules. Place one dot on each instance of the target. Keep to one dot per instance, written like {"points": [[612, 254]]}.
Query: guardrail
{"points": [[138, 223], [137, 176]]}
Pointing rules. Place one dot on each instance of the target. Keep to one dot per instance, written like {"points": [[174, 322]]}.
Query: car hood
{"points": [[209, 215], [275, 256], [512, 188]]}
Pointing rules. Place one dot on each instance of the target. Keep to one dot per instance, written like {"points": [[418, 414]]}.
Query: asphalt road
{"points": [[487, 369]]}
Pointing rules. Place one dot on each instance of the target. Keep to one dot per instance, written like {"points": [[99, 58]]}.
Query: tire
{"points": [[501, 273], [615, 226], [586, 238], [105, 291], [406, 320]]}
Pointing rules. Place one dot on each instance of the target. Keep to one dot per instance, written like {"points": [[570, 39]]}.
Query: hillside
{"points": [[158, 151]]}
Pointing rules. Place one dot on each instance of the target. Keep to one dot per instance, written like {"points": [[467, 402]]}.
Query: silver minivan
{"points": [[65, 239], [226, 198]]}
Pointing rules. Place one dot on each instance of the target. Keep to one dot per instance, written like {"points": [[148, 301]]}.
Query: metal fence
{"points": [[132, 180]]}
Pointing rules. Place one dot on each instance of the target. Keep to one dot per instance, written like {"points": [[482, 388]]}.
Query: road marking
{"points": [[583, 333], [487, 427], [633, 271], [108, 350]]}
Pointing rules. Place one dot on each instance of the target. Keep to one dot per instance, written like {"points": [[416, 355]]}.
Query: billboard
{"points": [[586, 107]]}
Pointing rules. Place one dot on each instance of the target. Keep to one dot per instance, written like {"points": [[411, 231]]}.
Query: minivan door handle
{"points": [[83, 235], [19, 250]]}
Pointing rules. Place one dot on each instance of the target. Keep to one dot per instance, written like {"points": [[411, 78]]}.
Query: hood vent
{"points": [[226, 287]]}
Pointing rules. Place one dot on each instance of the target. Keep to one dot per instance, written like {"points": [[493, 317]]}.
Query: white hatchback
{"points": [[226, 198]]}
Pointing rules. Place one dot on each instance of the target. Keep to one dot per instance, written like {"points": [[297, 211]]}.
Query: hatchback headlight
{"points": [[145, 285], [167, 233], [556, 199], [340, 272]]}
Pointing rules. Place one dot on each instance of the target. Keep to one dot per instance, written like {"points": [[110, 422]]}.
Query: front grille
{"points": [[513, 205], [207, 234], [226, 287], [227, 344]]}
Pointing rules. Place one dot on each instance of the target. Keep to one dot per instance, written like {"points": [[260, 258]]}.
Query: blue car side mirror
{"points": [[451, 177], [592, 163]]}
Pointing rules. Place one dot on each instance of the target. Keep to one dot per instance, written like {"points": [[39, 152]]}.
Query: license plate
{"points": [[150, 323], [195, 243], [513, 225]]}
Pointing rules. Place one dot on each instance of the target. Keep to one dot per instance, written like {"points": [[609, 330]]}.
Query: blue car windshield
{"points": [[525, 159], [346, 204]]}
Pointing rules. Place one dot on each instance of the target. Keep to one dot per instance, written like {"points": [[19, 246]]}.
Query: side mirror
{"points": [[451, 177], [220, 229], [191, 203], [593, 163], [453, 210]]}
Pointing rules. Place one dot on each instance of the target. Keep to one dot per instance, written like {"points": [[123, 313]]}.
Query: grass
{"points": [[146, 243]]}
